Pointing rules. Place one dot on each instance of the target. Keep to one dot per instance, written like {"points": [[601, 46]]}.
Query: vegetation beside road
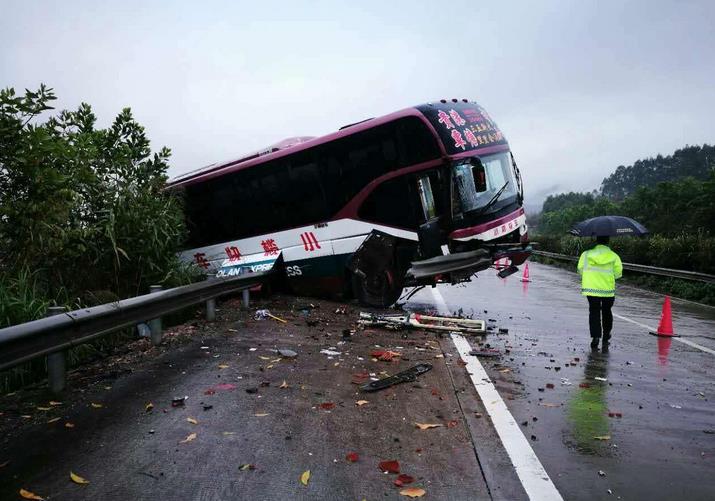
{"points": [[84, 218]]}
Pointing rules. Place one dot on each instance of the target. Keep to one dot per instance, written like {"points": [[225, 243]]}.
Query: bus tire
{"points": [[379, 289]]}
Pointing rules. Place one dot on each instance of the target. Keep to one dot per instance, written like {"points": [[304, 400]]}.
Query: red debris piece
{"points": [[210, 391], [550, 386], [385, 355], [403, 479], [584, 385], [452, 423], [352, 457], [327, 405], [615, 414], [391, 466], [225, 386]]}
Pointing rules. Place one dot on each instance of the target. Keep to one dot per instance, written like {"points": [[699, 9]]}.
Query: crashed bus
{"points": [[426, 195]]}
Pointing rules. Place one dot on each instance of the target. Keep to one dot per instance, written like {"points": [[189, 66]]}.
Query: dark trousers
{"points": [[600, 308]]}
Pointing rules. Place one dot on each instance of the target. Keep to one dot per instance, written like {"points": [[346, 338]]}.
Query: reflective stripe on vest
{"points": [[599, 291]]}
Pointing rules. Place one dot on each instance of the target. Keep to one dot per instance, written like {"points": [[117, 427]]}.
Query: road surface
{"points": [[516, 427]]}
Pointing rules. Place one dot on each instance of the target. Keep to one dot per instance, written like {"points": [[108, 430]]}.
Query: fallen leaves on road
{"points": [[148, 407], [261, 414], [403, 480], [223, 366], [69, 425], [4, 464], [53, 420], [305, 477], [602, 437], [452, 423], [54, 403], [427, 426], [44, 408], [546, 404], [78, 480], [327, 406], [247, 466], [192, 420], [96, 406], [352, 457], [391, 466], [360, 403], [283, 385], [189, 438], [413, 492], [30, 495]]}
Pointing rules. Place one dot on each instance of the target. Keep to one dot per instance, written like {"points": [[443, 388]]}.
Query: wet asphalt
{"points": [[652, 406]]}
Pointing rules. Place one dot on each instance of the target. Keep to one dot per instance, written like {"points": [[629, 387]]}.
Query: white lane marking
{"points": [[678, 339], [531, 473]]}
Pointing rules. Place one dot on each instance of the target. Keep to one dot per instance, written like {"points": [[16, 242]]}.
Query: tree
{"points": [[82, 208]]}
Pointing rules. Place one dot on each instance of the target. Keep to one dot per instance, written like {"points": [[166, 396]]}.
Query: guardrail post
{"points": [[155, 323], [56, 362]]}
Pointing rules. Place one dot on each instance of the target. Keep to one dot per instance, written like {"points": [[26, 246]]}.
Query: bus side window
{"points": [[391, 203]]}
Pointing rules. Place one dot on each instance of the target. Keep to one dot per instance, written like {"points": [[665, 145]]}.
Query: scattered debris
{"points": [[401, 377], [597, 378], [247, 466], [263, 314], [327, 406], [192, 420], [148, 407], [601, 473], [352, 457], [419, 321], [385, 355], [330, 353], [178, 401], [427, 426], [602, 437], [360, 403]]}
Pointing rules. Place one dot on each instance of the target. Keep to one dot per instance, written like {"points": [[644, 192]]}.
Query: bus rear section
{"points": [[423, 196]]}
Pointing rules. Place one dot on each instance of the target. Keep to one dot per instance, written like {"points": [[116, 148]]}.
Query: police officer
{"points": [[600, 267]]}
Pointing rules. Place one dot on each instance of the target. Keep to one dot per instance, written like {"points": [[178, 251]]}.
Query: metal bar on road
{"points": [[640, 268]]}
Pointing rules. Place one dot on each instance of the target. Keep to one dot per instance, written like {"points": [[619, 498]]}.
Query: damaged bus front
{"points": [[472, 207]]}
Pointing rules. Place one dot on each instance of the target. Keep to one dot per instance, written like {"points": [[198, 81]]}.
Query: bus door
{"points": [[429, 233]]}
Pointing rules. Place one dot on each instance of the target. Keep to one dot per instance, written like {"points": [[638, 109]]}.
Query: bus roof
{"points": [[468, 113]]}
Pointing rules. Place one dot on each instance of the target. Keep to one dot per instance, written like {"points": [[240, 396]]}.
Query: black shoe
{"points": [[604, 347], [594, 343]]}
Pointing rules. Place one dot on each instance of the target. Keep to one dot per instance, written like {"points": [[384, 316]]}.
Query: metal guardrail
{"points": [[639, 268], [54, 334]]}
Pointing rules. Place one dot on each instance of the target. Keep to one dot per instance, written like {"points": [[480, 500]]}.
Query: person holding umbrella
{"points": [[599, 268]]}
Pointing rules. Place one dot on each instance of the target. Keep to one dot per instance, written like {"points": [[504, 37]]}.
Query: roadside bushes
{"points": [[695, 252]]}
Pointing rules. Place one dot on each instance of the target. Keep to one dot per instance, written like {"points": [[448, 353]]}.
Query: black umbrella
{"points": [[609, 226]]}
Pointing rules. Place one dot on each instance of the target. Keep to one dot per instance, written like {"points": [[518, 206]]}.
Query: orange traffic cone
{"points": [[525, 275], [665, 327]]}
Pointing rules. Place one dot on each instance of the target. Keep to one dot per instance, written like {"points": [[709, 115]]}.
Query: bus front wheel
{"points": [[378, 288]]}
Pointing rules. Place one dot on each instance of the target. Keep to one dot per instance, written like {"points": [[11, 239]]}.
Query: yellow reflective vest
{"points": [[599, 268]]}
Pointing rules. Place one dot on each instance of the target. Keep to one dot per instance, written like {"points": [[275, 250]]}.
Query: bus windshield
{"points": [[477, 181]]}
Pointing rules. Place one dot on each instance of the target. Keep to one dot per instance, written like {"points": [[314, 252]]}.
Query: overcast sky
{"points": [[578, 87]]}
